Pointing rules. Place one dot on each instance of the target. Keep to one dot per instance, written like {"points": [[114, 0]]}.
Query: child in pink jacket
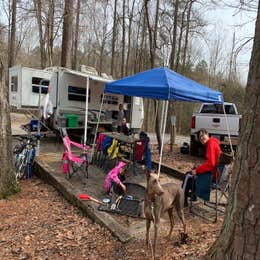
{"points": [[115, 179]]}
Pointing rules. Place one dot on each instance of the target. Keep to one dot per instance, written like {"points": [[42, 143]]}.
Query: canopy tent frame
{"points": [[171, 86]]}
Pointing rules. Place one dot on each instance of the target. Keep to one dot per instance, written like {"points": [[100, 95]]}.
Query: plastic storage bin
{"points": [[34, 125], [72, 120]]}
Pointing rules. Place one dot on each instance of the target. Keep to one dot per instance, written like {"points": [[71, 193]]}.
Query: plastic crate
{"points": [[72, 120]]}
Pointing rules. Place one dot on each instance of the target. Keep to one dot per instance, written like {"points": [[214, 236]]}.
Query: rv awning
{"points": [[163, 83], [79, 73]]}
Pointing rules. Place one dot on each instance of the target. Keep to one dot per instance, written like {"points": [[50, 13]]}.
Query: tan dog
{"points": [[158, 200]]}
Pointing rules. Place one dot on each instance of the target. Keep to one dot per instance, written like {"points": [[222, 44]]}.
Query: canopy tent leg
{"points": [[86, 115], [163, 109], [164, 126], [95, 137]]}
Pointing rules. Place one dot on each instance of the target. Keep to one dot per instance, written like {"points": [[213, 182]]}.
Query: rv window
{"points": [[109, 99], [78, 94], [14, 83], [37, 82]]}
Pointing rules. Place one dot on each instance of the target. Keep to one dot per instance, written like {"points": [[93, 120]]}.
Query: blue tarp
{"points": [[163, 83]]}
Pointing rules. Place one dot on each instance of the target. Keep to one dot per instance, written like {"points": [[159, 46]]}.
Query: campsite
{"points": [[129, 129]]}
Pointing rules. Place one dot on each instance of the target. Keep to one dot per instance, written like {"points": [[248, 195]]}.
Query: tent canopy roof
{"points": [[163, 83]]}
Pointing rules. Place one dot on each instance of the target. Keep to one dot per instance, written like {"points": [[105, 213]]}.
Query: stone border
{"points": [[70, 192], [168, 170], [46, 173]]}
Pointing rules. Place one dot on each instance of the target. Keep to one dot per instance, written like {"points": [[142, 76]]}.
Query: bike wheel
{"points": [[20, 168], [70, 171]]}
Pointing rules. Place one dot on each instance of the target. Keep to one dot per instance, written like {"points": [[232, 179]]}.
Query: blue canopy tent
{"points": [[165, 84]]}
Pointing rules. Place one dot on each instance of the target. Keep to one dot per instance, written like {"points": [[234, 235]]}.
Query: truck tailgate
{"points": [[217, 123]]}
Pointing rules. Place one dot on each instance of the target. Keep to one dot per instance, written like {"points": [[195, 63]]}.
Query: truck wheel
{"points": [[194, 148]]}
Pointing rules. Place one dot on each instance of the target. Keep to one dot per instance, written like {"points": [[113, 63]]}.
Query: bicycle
{"points": [[24, 156]]}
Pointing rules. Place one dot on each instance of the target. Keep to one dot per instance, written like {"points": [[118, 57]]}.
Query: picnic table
{"points": [[129, 141]]}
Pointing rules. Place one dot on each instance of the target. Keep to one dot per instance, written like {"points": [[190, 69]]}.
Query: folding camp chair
{"points": [[98, 149], [71, 162], [221, 183]]}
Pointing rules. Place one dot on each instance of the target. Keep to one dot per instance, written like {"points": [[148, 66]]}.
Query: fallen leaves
{"points": [[40, 224]]}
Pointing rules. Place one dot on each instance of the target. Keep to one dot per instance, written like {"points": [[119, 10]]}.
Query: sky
{"points": [[226, 20]]}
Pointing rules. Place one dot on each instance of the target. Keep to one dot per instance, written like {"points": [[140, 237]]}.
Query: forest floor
{"points": [[38, 223]]}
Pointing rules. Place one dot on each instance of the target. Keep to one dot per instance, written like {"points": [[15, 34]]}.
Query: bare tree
{"points": [[152, 31], [130, 16], [123, 41], [174, 37], [67, 34], [187, 35], [50, 31], [38, 8], [114, 38], [11, 51], [240, 235], [75, 49]]}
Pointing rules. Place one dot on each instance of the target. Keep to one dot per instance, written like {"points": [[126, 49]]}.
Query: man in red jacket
{"points": [[212, 156], [212, 153]]}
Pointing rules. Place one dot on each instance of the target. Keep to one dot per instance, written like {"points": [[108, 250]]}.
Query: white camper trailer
{"points": [[68, 97], [25, 84]]}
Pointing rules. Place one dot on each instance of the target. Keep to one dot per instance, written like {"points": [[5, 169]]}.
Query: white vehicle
{"points": [[67, 94], [25, 84], [218, 124], [68, 97]]}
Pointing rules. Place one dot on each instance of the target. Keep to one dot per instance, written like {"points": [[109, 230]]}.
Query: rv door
{"points": [[137, 113]]}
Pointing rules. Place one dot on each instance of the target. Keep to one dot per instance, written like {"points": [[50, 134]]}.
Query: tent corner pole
{"points": [[86, 115], [164, 126], [95, 137]]}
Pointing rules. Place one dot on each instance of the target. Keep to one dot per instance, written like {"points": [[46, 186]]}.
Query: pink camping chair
{"points": [[71, 162]]}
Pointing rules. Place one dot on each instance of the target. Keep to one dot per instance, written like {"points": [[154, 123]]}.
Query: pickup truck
{"points": [[212, 118]]}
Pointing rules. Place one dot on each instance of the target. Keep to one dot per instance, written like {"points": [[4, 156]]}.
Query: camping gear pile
{"points": [[129, 204]]}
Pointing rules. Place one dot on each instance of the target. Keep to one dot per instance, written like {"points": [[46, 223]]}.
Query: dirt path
{"points": [[38, 223]]}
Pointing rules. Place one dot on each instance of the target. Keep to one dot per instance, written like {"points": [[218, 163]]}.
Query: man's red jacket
{"points": [[212, 156]]}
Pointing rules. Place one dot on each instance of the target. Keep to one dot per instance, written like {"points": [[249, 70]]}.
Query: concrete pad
{"points": [[17, 120], [48, 167]]}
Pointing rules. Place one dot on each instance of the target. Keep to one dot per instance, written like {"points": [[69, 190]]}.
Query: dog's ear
{"points": [[155, 171]]}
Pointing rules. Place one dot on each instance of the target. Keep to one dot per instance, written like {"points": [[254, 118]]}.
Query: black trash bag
{"points": [[185, 148]]}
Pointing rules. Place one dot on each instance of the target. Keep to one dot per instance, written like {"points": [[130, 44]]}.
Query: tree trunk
{"points": [[114, 38], [176, 67], [152, 41], [8, 183], [11, 53], [38, 8], [76, 38], [50, 32], [239, 238], [186, 37], [127, 72], [123, 42], [67, 35], [231, 60], [174, 37], [140, 52]]}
